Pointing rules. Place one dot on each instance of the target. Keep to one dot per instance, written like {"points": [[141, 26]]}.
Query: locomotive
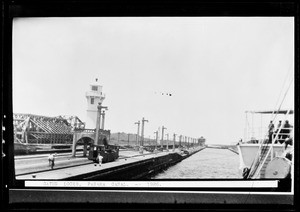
{"points": [[108, 152]]}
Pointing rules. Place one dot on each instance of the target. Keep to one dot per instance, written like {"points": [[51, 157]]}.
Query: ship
{"points": [[272, 155]]}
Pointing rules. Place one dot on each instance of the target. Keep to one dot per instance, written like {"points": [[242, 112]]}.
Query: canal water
{"points": [[207, 164]]}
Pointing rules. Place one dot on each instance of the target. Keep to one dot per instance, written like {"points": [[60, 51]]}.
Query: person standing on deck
{"points": [[271, 131], [278, 127], [286, 130]]}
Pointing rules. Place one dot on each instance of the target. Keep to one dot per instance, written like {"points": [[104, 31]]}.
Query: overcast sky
{"points": [[215, 69]]}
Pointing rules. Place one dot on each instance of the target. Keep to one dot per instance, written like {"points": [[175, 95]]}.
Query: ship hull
{"points": [[248, 153]]}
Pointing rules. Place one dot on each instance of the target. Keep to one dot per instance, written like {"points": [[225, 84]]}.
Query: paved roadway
{"points": [[56, 174], [37, 166], [36, 163]]}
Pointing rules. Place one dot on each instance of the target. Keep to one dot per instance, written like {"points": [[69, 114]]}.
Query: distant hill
{"points": [[121, 138]]}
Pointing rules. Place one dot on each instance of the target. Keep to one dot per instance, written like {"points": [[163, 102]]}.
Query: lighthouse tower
{"points": [[93, 96]]}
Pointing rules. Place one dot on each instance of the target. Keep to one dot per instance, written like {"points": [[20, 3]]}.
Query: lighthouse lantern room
{"points": [[93, 96]]}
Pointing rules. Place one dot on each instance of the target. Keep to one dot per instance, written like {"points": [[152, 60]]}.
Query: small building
{"points": [[201, 141]]}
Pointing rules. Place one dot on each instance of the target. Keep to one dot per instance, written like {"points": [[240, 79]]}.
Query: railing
{"points": [[270, 150], [283, 134], [85, 130]]}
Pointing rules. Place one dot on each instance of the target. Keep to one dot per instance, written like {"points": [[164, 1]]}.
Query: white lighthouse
{"points": [[93, 96]]}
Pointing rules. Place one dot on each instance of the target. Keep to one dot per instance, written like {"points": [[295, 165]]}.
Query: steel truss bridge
{"points": [[32, 129]]}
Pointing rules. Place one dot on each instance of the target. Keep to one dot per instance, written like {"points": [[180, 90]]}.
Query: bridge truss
{"points": [[43, 130]]}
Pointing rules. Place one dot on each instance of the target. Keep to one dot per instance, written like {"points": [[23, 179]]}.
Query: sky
{"points": [[215, 69]]}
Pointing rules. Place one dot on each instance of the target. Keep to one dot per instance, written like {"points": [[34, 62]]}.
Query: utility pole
{"points": [[162, 136], [142, 133], [174, 138], [156, 137], [167, 142], [138, 132], [118, 137], [99, 108], [185, 143], [180, 137], [128, 138]]}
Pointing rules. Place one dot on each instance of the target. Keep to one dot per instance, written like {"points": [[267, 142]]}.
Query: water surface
{"points": [[207, 164]]}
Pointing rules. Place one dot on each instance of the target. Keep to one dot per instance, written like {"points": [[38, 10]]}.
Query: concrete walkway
{"points": [[58, 174]]}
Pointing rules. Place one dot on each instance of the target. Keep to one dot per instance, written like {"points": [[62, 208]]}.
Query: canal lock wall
{"points": [[143, 169]]}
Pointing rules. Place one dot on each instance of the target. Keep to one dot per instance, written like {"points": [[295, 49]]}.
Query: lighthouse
{"points": [[93, 96]]}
